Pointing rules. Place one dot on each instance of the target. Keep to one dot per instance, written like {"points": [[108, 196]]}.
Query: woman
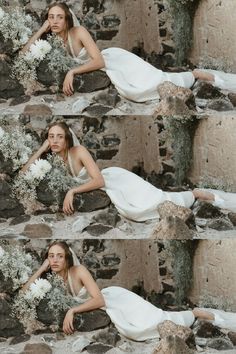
{"points": [[133, 197], [134, 317], [134, 78]]}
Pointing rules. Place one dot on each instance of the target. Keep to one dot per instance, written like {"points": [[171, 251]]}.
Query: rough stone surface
{"points": [[170, 209], [18, 100], [220, 105], [167, 89], [91, 201], [6, 285], [172, 345], [9, 207], [220, 224], [232, 337], [220, 344], [232, 218], [37, 231], [37, 110], [207, 211], [98, 348], [19, 219], [172, 227], [89, 321], [207, 91], [9, 326], [97, 229], [37, 348], [8, 87], [172, 105], [89, 82], [232, 98], [168, 328], [205, 329], [108, 336], [19, 339]]}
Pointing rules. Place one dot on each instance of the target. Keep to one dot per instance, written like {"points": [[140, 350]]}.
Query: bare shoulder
{"points": [[77, 269], [78, 31], [78, 150]]}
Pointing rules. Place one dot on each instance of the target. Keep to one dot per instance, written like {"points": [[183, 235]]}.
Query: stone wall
{"points": [[214, 280], [214, 41], [214, 155]]}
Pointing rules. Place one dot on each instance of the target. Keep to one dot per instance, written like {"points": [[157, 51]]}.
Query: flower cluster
{"points": [[16, 145], [16, 26], [15, 264], [53, 290], [52, 51]]}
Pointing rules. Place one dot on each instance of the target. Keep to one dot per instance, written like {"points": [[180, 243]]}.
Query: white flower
{"points": [[39, 288], [28, 258], [39, 168], [24, 38], [39, 49], [2, 132], [24, 158], [2, 13], [1, 249], [28, 57]]}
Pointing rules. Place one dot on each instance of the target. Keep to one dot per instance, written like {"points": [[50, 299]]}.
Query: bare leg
{"points": [[202, 75], [203, 195], [203, 315]]}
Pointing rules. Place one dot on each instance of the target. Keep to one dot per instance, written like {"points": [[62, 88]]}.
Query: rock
{"points": [[9, 326], [110, 21], [6, 46], [220, 105], [110, 217], [9, 87], [45, 195], [37, 348], [93, 81], [232, 98], [232, 337], [108, 336], [19, 219], [106, 273], [98, 348], [108, 98], [110, 260], [172, 105], [19, 339], [106, 154], [97, 229], [167, 89], [90, 321], [9, 206], [220, 224], [206, 90], [18, 100], [45, 76], [172, 345], [6, 166], [91, 201], [170, 209], [168, 166], [37, 231], [110, 140], [206, 210], [79, 344], [90, 140], [205, 329], [6, 284], [40, 110], [172, 227], [220, 344], [97, 110], [169, 328], [44, 314], [232, 218], [79, 105]]}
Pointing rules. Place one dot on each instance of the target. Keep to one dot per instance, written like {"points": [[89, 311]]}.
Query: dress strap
{"points": [[71, 46], [71, 165], [71, 288]]}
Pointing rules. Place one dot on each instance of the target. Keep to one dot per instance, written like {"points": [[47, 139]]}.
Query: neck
{"points": [[63, 35], [64, 274]]}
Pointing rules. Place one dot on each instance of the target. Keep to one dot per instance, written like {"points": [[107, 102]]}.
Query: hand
{"points": [[45, 146], [68, 207], [45, 266], [68, 88], [45, 27], [68, 322]]}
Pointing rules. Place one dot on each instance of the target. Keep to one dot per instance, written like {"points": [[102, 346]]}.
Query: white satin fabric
{"points": [[133, 197], [133, 316]]}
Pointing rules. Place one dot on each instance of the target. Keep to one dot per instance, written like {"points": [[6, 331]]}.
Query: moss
{"points": [[182, 12], [181, 253], [181, 131]]}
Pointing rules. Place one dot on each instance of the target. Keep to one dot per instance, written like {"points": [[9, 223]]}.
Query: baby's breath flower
{"points": [[2, 13], [1, 252], [2, 132]]}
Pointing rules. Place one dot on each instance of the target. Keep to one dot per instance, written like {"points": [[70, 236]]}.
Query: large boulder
{"points": [[9, 87], [90, 201], [9, 326], [172, 228], [9, 206]]}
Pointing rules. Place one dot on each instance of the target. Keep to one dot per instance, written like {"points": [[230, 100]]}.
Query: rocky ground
{"points": [[205, 221]]}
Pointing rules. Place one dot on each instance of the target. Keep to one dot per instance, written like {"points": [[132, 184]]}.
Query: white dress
{"points": [[133, 316], [137, 80], [133, 197]]}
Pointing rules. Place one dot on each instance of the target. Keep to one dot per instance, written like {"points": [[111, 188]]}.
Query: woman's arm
{"points": [[81, 274], [44, 267], [96, 181], [36, 155], [45, 28], [81, 35]]}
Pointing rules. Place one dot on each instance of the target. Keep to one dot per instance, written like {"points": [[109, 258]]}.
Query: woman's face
{"points": [[57, 19], [57, 259], [56, 139]]}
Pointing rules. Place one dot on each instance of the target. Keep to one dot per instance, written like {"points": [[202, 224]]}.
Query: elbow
{"points": [[101, 182], [101, 301]]}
